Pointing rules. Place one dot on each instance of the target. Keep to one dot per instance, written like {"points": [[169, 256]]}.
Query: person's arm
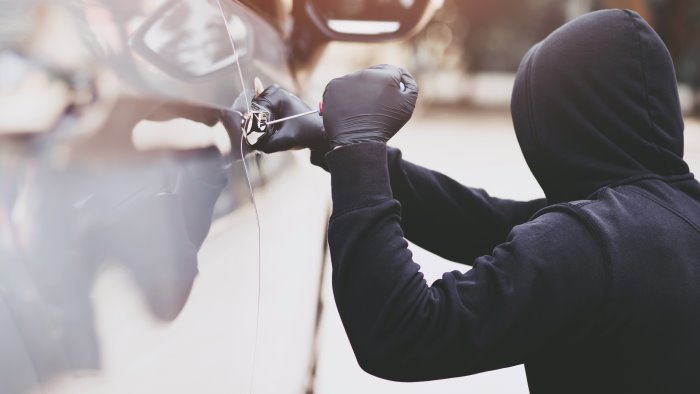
{"points": [[441, 215], [438, 213], [542, 287], [454, 221]]}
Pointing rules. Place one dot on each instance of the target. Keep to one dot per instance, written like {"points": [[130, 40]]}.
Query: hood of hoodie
{"points": [[596, 103]]}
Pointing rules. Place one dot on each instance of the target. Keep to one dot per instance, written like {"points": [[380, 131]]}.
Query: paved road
{"points": [[477, 149]]}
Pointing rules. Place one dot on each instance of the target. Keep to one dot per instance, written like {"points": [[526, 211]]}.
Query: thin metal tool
{"points": [[316, 111], [255, 123], [293, 117]]}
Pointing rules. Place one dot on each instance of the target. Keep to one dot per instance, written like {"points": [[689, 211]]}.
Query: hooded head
{"points": [[596, 103]]}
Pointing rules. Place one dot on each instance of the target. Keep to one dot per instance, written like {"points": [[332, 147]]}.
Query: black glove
{"points": [[368, 105], [299, 133]]}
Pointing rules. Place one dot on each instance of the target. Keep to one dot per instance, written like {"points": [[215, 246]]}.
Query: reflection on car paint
{"points": [[67, 222], [186, 39]]}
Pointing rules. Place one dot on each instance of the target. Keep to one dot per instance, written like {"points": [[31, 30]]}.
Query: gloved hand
{"points": [[299, 133], [368, 105]]}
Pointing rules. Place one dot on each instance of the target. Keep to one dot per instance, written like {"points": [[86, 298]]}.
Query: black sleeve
{"points": [[534, 290], [455, 222], [449, 219]]}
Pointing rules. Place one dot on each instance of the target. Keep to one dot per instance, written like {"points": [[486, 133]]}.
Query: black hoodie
{"points": [[596, 290]]}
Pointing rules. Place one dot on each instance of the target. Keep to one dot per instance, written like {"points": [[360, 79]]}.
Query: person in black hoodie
{"points": [[595, 288]]}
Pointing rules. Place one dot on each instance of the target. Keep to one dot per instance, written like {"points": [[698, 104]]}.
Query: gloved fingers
{"points": [[291, 104], [368, 105], [400, 75], [369, 74], [408, 81], [383, 66], [280, 102], [270, 90], [269, 98], [387, 69], [276, 142], [331, 84], [288, 139], [293, 134]]}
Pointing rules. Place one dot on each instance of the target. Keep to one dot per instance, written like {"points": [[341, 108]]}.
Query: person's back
{"points": [[596, 109], [647, 331]]}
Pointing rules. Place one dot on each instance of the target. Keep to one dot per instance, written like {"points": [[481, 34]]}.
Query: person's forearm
{"points": [[456, 222], [447, 218], [374, 278]]}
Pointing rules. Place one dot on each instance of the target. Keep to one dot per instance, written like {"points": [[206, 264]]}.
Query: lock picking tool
{"points": [[256, 124], [316, 111]]}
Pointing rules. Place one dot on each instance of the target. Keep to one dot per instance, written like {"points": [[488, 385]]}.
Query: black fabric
{"points": [[596, 102], [437, 211], [597, 292]]}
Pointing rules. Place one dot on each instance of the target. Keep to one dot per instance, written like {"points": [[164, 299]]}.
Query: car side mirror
{"points": [[369, 20]]}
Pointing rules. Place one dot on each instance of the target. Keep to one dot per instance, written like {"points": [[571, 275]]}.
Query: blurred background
{"points": [[468, 53], [145, 247]]}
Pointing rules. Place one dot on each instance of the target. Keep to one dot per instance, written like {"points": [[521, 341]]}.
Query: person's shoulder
{"points": [[569, 212], [559, 237], [562, 225], [581, 211]]}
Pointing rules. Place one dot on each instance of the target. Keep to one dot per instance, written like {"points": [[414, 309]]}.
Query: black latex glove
{"points": [[299, 133], [368, 105]]}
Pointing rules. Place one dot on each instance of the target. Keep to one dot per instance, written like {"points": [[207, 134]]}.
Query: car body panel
{"points": [[129, 250]]}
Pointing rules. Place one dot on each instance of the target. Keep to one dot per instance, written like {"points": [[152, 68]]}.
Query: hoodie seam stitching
{"points": [[643, 67], [669, 179], [530, 109], [666, 207]]}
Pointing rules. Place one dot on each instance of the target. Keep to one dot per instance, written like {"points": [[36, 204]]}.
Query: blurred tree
{"points": [[678, 24], [641, 6], [493, 35], [499, 32]]}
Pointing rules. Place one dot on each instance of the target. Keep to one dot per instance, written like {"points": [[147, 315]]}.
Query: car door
{"points": [[134, 255]]}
